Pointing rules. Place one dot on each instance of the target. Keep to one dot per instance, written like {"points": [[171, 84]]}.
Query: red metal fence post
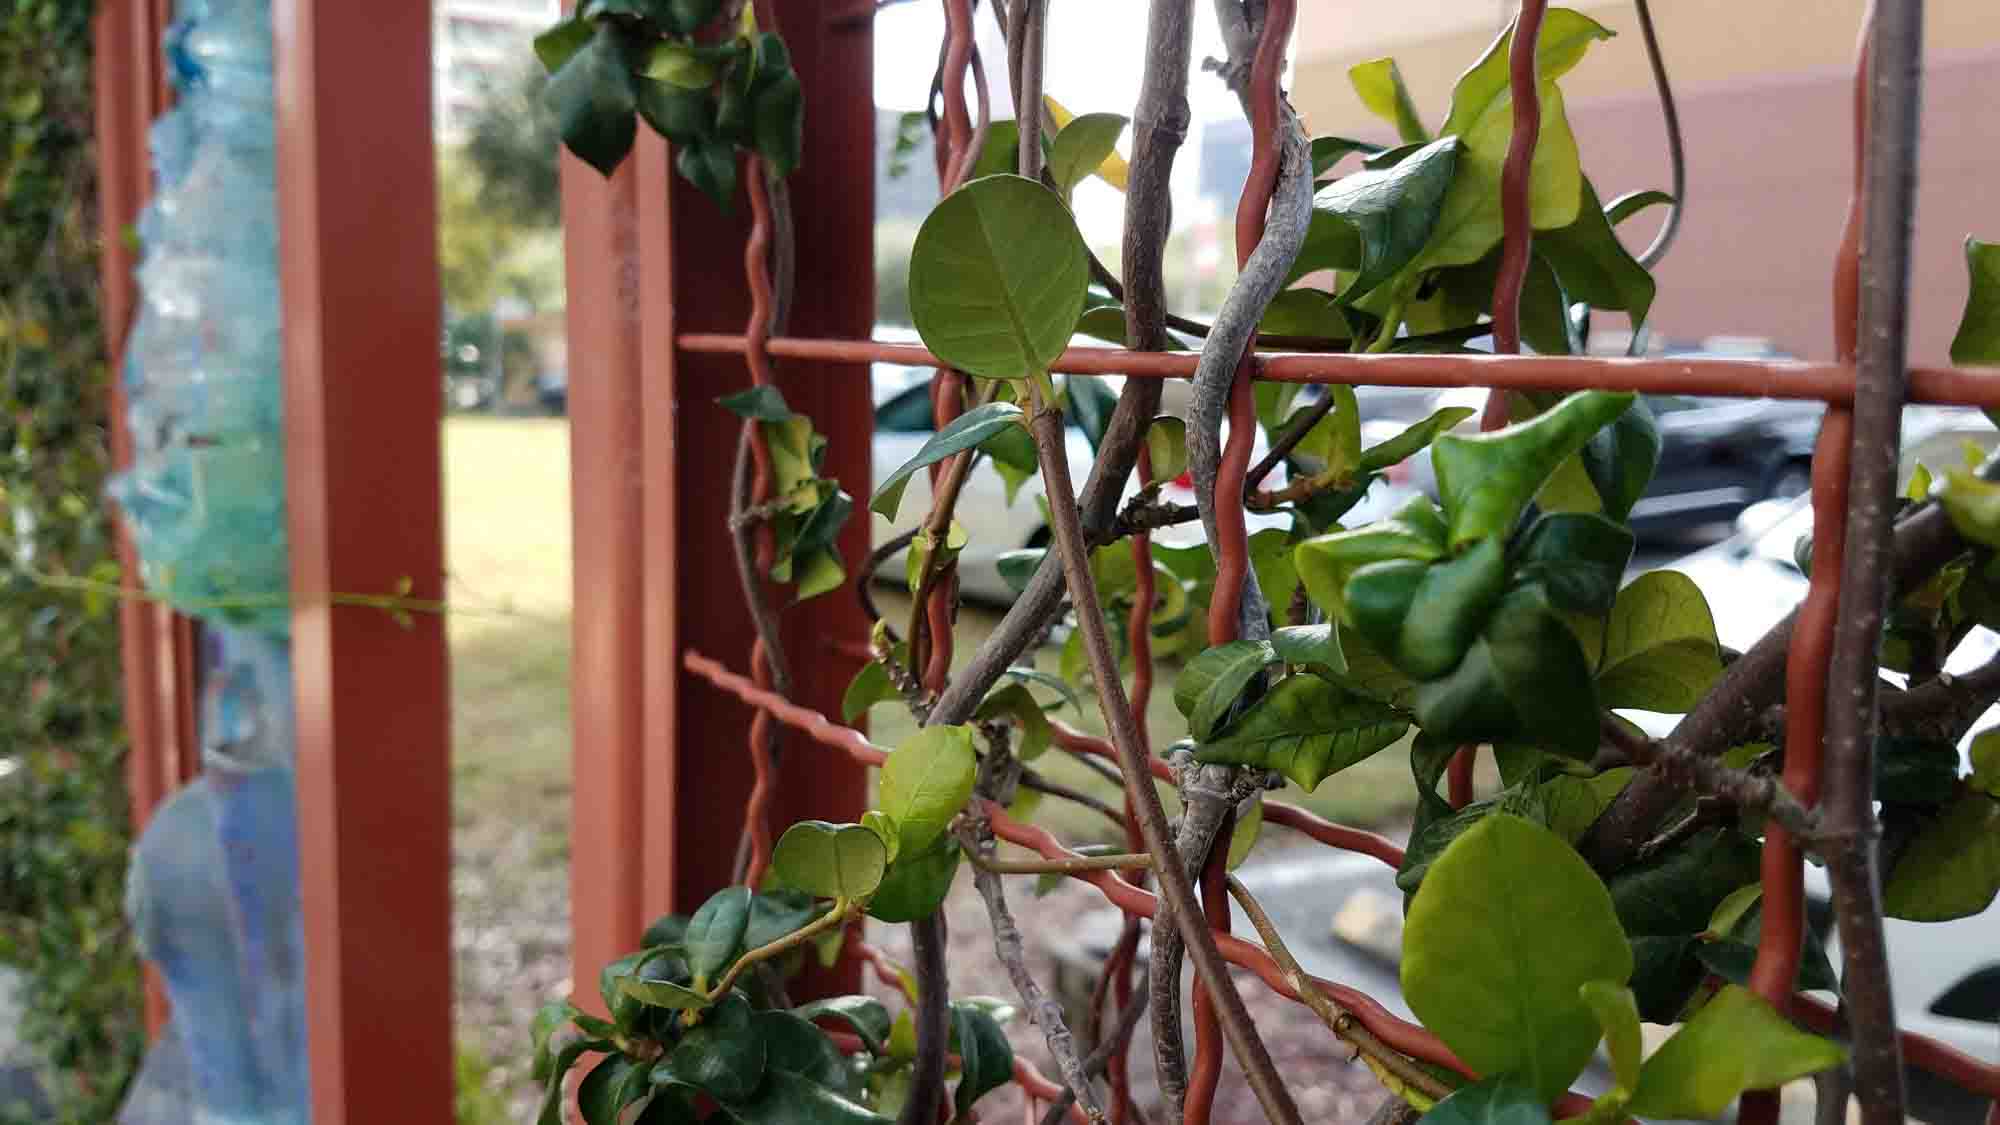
{"points": [[357, 238]]}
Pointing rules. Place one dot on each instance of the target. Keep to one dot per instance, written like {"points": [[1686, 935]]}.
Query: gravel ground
{"points": [[510, 938]]}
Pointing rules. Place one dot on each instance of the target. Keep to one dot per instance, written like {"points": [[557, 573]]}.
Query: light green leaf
{"points": [[763, 402], [715, 933], [1381, 88], [1211, 683], [869, 686], [1166, 448], [886, 830], [1633, 202], [1243, 838], [1617, 1014], [964, 432], [997, 278], [1593, 266], [1399, 448], [1326, 562], [1508, 925], [1986, 763], [558, 44], [1732, 909], [830, 860], [1393, 210], [1973, 504], [680, 64], [593, 101], [1736, 1042], [1081, 148], [1565, 36], [1486, 480], [1309, 644], [662, 993], [1952, 869], [552, 1096], [1306, 729], [1660, 651], [1978, 336], [926, 781]]}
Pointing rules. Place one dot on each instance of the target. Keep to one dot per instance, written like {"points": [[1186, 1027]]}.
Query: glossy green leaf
{"points": [[1326, 562], [684, 17], [559, 44], [709, 165], [761, 403], [1081, 147], [1633, 202], [787, 1099], [1469, 224], [1660, 651], [1166, 448], [792, 1044], [1502, 1100], [1915, 771], [886, 830], [997, 278], [986, 1057], [1736, 1042], [670, 1105], [722, 1055], [1593, 266], [1509, 923], [1486, 480], [917, 883], [1392, 210], [830, 860], [775, 913], [1617, 1015], [1733, 960], [1002, 154], [1578, 558], [863, 1015], [1566, 35], [1413, 439], [1033, 733], [593, 101], [549, 1019], [1331, 244], [1665, 975], [1952, 869], [1329, 151], [1453, 602], [1306, 729], [1621, 459], [964, 432], [777, 122], [715, 933], [605, 1091], [663, 994], [926, 781], [1381, 88], [551, 1112], [1208, 688], [1571, 804], [1973, 504], [1304, 312], [1544, 674], [1978, 337], [871, 685], [1310, 644], [1677, 891], [680, 64]]}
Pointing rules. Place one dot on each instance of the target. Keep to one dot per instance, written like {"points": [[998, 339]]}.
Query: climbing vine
{"points": [[1613, 879]]}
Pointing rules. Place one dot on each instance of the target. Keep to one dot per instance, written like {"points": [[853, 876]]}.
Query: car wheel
{"points": [[1792, 479]]}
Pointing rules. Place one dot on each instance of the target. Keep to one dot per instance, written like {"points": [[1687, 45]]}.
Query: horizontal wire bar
{"points": [[1831, 383]]}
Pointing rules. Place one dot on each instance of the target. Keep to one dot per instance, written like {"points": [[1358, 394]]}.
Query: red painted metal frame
{"points": [[357, 240], [156, 645], [660, 781]]}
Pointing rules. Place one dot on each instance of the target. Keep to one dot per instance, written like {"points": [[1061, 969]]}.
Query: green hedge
{"points": [[63, 826]]}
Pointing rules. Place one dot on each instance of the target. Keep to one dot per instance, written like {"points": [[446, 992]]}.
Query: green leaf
{"points": [[1565, 36], [560, 43], [787, 1099], [723, 1054], [549, 1019], [964, 432], [603, 1092], [715, 933], [1620, 460], [1986, 763], [926, 781], [1455, 597], [775, 913], [918, 883], [1736, 1042], [1208, 688], [1952, 869], [1633, 202], [1002, 154], [1486, 480], [1617, 1014], [869, 686], [792, 1044], [1331, 244], [1677, 891], [1081, 147], [1544, 674], [777, 122], [863, 1015], [1501, 1100], [762, 403], [1166, 448], [1660, 651], [1578, 558], [1593, 266], [663, 994], [680, 64], [997, 278], [830, 860], [1665, 974], [552, 1094], [1310, 644], [1401, 447], [1381, 88], [1027, 676], [1329, 151], [1392, 210], [1306, 729], [1090, 405], [593, 101], [1326, 562], [685, 117], [1032, 723], [1973, 505], [1915, 771], [1978, 336], [986, 1057], [709, 165], [1243, 837], [1509, 923]]}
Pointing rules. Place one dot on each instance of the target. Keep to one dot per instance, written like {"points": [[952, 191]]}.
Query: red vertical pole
{"points": [[357, 239]]}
